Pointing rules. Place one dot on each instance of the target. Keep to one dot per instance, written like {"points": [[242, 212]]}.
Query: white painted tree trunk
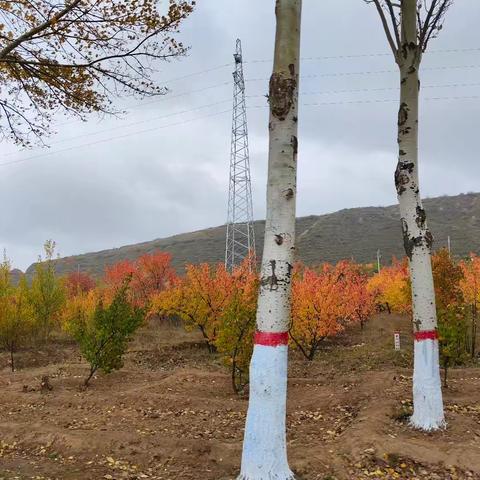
{"points": [[427, 393], [264, 449]]}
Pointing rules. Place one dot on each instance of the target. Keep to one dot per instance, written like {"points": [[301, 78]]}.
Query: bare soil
{"points": [[170, 413]]}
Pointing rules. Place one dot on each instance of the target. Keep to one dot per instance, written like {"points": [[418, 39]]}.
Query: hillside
{"points": [[350, 233]]}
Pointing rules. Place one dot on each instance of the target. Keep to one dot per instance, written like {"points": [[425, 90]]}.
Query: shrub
{"points": [[103, 331]]}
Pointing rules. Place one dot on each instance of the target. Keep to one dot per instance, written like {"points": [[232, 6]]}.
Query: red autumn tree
{"points": [[79, 282], [153, 273], [149, 275]]}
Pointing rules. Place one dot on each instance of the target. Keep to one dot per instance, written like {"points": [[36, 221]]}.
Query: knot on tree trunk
{"points": [[281, 93]]}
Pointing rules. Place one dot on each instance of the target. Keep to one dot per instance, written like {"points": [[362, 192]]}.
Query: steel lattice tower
{"points": [[240, 234]]}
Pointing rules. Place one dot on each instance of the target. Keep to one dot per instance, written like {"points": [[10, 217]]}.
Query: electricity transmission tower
{"points": [[240, 234]]}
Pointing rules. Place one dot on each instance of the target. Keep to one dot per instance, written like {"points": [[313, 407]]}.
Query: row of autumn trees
{"points": [[457, 293], [102, 315]]}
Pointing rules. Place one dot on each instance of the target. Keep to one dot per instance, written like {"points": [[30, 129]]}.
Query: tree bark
{"points": [[264, 449], [474, 328], [427, 394], [90, 375], [12, 363]]}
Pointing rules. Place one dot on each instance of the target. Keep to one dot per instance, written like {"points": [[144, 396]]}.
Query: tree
{"points": [[5, 267], [452, 324], [264, 448], [452, 329], [103, 330], [470, 286], [117, 274], [47, 294], [358, 299], [153, 273], [390, 287], [447, 276], [199, 299], [319, 308], [409, 26], [148, 274], [234, 340], [15, 318], [76, 56], [79, 282]]}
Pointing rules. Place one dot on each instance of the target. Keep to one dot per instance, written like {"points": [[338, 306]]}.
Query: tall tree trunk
{"points": [[264, 448], [427, 393]]}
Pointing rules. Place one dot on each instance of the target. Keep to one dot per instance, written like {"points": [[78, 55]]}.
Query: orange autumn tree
{"points": [[470, 287], [148, 274], [318, 307], [199, 299], [391, 287], [359, 300]]}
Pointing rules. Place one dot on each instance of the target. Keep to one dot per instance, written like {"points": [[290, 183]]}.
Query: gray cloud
{"points": [[173, 178]]}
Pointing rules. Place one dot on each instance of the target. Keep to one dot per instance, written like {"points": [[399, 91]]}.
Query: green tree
{"points": [[234, 340], [453, 334], [47, 293], [103, 334], [5, 267], [452, 324]]}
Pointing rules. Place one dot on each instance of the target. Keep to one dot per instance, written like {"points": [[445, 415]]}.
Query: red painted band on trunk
{"points": [[271, 339], [426, 335]]}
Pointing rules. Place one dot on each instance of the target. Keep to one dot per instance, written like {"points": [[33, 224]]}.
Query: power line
{"points": [[364, 55], [361, 90], [370, 72], [329, 57], [183, 94], [314, 104], [386, 100], [163, 98], [201, 72], [359, 102], [106, 140], [148, 120], [328, 74]]}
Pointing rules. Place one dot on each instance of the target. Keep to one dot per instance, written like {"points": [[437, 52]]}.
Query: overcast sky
{"points": [[94, 190]]}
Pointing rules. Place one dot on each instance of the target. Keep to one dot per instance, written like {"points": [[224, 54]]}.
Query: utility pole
{"points": [[449, 246], [240, 237], [379, 256]]}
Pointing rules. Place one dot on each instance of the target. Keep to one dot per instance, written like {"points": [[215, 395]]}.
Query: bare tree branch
{"points": [[386, 28]]}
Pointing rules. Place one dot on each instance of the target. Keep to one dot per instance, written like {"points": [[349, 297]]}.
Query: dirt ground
{"points": [[170, 413]]}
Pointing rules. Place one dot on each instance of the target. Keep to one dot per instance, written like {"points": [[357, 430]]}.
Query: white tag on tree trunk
{"points": [[396, 340]]}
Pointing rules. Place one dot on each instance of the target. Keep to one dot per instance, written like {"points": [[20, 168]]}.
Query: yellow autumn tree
{"points": [[199, 299], [391, 287], [76, 56], [470, 287], [16, 315]]}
